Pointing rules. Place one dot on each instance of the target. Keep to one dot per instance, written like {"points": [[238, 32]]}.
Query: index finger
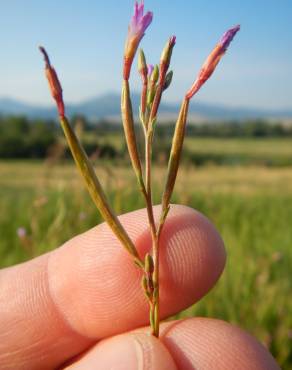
{"points": [[90, 289]]}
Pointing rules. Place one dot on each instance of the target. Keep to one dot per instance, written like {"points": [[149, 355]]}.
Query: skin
{"points": [[79, 306]]}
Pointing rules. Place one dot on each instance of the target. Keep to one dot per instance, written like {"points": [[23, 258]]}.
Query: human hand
{"points": [[56, 309]]}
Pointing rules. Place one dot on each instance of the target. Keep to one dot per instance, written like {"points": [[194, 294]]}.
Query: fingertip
{"points": [[126, 352], [201, 343]]}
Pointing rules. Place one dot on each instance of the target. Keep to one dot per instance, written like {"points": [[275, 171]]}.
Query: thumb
{"points": [[130, 351]]}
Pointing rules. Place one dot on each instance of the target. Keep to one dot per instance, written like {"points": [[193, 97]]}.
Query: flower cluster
{"points": [[155, 80]]}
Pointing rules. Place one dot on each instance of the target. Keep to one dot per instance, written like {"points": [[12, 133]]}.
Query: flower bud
{"points": [[152, 88], [168, 80], [165, 57], [142, 66], [154, 75], [149, 264], [150, 69], [54, 83], [144, 284], [212, 61]]}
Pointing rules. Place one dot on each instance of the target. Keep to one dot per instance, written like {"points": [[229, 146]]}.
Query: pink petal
{"points": [[228, 37], [146, 20], [141, 10]]}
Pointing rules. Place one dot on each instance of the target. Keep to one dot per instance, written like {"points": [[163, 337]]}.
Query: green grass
{"points": [[225, 151], [237, 151], [250, 206], [251, 146]]}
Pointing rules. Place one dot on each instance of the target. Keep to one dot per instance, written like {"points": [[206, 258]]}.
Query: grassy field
{"points": [[271, 152], [250, 206], [254, 147]]}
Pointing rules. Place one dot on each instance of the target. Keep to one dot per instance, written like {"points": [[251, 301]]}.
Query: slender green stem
{"points": [[149, 121], [148, 157], [155, 233], [173, 165], [144, 102], [96, 191], [156, 103], [155, 306]]}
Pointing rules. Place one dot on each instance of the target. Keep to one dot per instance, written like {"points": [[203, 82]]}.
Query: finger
{"points": [[209, 344], [192, 344], [126, 352], [89, 288], [97, 288]]}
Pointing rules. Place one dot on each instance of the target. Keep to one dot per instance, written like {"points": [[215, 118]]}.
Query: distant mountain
{"points": [[108, 106], [15, 107]]}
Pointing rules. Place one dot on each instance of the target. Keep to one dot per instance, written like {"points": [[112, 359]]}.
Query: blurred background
{"points": [[237, 161]]}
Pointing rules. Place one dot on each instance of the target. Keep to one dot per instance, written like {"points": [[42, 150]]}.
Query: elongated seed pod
{"points": [[128, 124], [175, 154], [149, 264], [143, 70]]}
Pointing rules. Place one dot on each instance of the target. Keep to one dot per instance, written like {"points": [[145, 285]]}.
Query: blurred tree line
{"points": [[21, 137]]}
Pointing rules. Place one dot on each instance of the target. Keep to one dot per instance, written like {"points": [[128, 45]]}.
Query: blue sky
{"points": [[85, 39]]}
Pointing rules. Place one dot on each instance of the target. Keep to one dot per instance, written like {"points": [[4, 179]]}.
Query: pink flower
{"points": [[137, 27], [139, 21], [150, 69], [21, 232], [212, 61]]}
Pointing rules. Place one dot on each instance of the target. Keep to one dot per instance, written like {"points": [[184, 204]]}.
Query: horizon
{"points": [[199, 102], [253, 74]]}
